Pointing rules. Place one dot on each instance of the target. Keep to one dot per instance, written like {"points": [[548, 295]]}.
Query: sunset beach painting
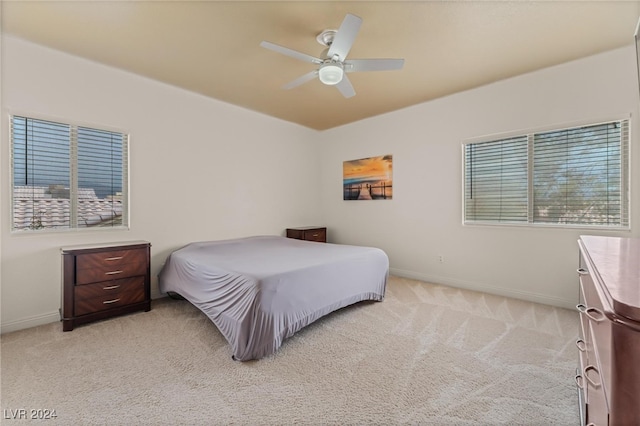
{"points": [[368, 178]]}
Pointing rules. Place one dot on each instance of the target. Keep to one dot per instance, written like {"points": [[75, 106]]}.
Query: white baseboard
{"points": [[35, 321], [21, 324], [468, 285], [485, 288]]}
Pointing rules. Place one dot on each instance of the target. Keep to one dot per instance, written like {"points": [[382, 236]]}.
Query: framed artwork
{"points": [[368, 178]]}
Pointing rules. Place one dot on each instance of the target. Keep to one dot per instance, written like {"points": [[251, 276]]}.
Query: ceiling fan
{"points": [[333, 63]]}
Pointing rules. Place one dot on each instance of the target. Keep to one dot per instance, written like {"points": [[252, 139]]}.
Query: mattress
{"points": [[260, 290]]}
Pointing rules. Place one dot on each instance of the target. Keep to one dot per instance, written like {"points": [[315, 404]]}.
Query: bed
{"points": [[260, 290]]}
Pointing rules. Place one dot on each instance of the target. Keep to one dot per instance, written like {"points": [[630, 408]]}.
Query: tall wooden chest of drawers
{"points": [[608, 378], [102, 281]]}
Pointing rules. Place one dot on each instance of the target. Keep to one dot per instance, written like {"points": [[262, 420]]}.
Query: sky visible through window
{"points": [[41, 156]]}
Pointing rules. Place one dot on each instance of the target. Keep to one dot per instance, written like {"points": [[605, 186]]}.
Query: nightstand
{"points": [[308, 233], [104, 280]]}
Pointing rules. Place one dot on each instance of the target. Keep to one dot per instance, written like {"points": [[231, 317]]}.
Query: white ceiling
{"points": [[213, 47]]}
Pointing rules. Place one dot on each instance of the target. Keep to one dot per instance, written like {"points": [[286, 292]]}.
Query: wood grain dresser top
{"points": [[617, 263]]}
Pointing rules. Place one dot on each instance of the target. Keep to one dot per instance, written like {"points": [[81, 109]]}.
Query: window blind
{"points": [[66, 176], [496, 180], [574, 176], [578, 176], [101, 163]]}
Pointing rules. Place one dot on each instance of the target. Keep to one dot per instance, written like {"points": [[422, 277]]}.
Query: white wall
{"points": [[2, 131], [200, 169], [424, 219]]}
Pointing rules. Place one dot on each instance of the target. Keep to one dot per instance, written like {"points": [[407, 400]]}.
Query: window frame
{"points": [[73, 170], [530, 133]]}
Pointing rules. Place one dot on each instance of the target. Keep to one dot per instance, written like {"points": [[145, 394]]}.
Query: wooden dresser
{"points": [[102, 281], [608, 378], [308, 233]]}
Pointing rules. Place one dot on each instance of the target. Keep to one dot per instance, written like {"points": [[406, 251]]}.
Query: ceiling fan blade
{"points": [[345, 87], [345, 37], [290, 52], [353, 65], [301, 80]]}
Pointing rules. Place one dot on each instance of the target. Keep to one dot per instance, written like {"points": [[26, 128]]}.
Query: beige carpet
{"points": [[427, 355]]}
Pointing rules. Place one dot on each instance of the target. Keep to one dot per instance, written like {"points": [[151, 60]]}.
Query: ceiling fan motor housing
{"points": [[326, 37]]}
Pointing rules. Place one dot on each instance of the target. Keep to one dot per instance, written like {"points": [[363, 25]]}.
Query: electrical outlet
{"points": [[440, 258]]}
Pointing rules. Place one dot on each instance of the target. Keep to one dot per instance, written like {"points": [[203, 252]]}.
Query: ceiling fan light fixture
{"points": [[331, 73], [333, 60]]}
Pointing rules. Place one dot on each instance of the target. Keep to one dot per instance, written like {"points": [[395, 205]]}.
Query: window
{"points": [[66, 176], [576, 176]]}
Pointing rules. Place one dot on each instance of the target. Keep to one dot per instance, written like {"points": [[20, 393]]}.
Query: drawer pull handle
{"points": [[113, 272], [111, 287], [107, 302], [113, 258], [589, 312], [582, 271], [579, 381], [582, 346], [315, 235], [586, 375]]}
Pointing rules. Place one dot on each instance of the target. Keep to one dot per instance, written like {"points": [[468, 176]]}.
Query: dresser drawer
{"points": [[319, 235], [590, 374], [106, 295], [108, 288], [597, 407], [110, 265], [111, 258], [593, 315], [584, 342]]}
